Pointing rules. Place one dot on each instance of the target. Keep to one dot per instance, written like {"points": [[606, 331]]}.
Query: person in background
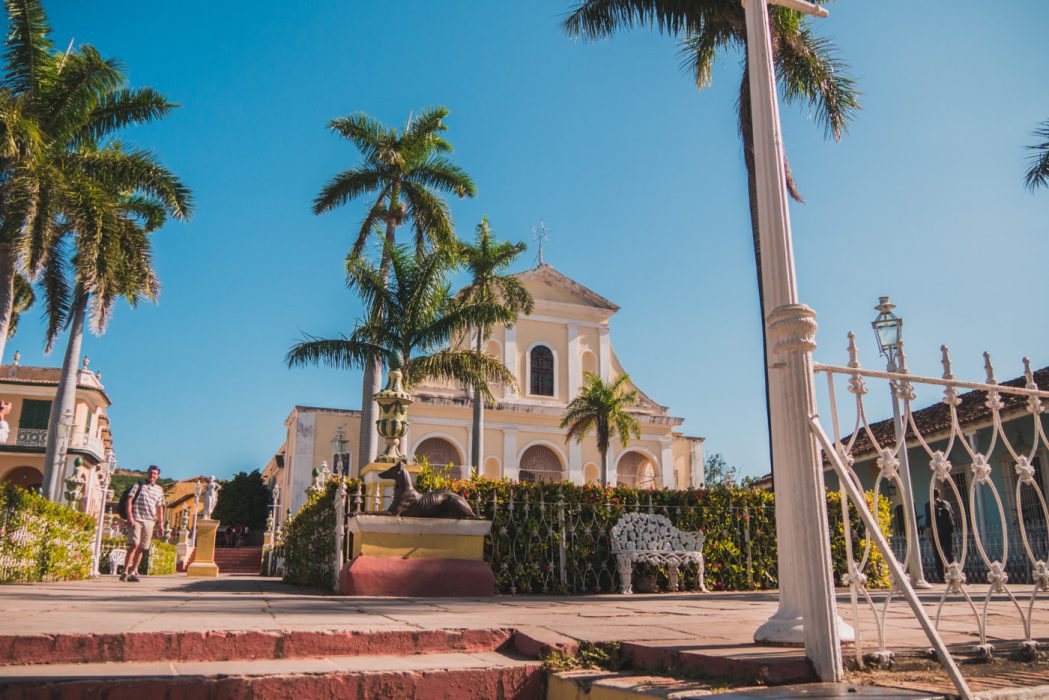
{"points": [[145, 513]]}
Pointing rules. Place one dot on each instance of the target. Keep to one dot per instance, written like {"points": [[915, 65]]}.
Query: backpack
{"points": [[125, 499]]}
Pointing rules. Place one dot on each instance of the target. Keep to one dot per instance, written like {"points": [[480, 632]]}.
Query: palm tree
{"points": [[807, 68], [403, 171], [486, 260], [107, 263], [419, 318], [1038, 170], [601, 409], [58, 110]]}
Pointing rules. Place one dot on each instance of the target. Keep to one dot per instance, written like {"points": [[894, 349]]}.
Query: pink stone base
{"points": [[383, 576]]}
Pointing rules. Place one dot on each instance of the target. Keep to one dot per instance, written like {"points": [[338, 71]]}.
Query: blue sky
{"points": [[638, 175]]}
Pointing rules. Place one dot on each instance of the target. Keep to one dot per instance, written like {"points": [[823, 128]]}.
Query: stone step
{"points": [[40, 649], [741, 662], [607, 685], [462, 676]]}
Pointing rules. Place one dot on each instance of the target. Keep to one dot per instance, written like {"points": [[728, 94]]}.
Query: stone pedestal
{"points": [[204, 565], [394, 556]]}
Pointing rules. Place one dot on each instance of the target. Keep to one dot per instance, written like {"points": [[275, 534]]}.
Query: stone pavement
{"points": [[175, 603]]}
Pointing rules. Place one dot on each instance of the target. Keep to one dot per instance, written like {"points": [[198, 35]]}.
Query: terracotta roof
{"points": [[937, 418]]}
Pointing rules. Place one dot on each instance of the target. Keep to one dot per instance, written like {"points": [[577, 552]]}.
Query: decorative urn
{"points": [[393, 403]]}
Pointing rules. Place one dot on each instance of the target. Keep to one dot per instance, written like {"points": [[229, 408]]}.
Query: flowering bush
{"points": [[533, 523], [41, 540]]}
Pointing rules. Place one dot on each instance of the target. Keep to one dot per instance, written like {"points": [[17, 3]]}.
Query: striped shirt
{"points": [[145, 500]]}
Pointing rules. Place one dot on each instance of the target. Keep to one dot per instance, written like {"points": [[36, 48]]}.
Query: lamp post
{"points": [[807, 611], [338, 450], [888, 328], [105, 476]]}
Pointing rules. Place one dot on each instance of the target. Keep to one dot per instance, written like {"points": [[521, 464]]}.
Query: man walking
{"points": [[144, 513], [944, 515]]}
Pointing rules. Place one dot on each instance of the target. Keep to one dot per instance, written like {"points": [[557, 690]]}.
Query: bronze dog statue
{"points": [[412, 504]]}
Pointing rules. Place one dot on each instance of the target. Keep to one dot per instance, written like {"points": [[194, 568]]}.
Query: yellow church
{"points": [[548, 351]]}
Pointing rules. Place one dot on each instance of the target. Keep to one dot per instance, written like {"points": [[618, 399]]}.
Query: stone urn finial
{"points": [[393, 403]]}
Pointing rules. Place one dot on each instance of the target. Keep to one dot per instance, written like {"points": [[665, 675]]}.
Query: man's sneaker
{"points": [[133, 578], [123, 577]]}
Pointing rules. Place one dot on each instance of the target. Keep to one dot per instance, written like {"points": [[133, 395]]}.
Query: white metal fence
{"points": [[1001, 547]]}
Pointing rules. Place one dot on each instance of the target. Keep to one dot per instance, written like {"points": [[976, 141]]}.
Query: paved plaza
{"points": [[175, 603]]}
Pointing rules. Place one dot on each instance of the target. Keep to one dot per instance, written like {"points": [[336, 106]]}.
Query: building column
{"points": [[575, 361], [575, 462], [604, 355], [300, 463], [510, 356], [666, 469], [510, 464], [698, 467], [613, 471]]}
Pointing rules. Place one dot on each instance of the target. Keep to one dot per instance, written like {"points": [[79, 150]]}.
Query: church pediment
{"points": [[547, 284]]}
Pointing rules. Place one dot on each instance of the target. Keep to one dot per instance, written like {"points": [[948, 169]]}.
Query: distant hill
{"points": [[122, 478]]}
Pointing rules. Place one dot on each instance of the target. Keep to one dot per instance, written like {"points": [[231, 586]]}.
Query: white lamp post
{"points": [[338, 449], [807, 608], [105, 476], [888, 327]]}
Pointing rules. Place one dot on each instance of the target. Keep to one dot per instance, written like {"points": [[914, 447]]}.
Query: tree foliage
{"points": [[418, 318], [602, 409], [1038, 162], [243, 500]]}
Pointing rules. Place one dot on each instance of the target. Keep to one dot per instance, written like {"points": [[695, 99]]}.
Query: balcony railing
{"points": [[35, 437], [32, 437]]}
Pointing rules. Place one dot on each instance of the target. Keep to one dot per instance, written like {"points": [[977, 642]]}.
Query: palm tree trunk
{"points": [[63, 405], [477, 443], [372, 381], [7, 291], [604, 467], [746, 132]]}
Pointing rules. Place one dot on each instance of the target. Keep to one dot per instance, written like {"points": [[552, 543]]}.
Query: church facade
{"points": [[548, 351]]}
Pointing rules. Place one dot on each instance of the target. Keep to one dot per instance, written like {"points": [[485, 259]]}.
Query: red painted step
{"points": [[239, 560], [22, 650], [408, 664]]}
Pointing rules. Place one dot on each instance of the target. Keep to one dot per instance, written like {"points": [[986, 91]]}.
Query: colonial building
{"points": [[31, 390], [548, 351]]}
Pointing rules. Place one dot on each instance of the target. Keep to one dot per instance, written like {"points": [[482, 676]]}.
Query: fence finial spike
{"points": [[1028, 374], [945, 360], [854, 360], [989, 368]]}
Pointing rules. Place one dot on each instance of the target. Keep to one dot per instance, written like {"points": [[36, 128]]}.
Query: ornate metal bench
{"points": [[647, 538], [116, 560]]}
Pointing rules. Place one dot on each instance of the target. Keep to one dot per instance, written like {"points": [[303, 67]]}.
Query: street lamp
{"points": [[338, 450], [888, 327], [105, 477]]}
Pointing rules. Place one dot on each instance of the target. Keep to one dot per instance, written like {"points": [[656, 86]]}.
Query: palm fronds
{"points": [[1038, 162]]}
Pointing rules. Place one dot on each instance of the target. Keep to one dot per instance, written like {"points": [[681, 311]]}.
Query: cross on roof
{"points": [[541, 235]]}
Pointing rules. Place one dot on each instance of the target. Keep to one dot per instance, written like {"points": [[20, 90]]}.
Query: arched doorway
{"points": [[492, 468], [636, 469], [442, 456], [540, 463], [29, 478]]}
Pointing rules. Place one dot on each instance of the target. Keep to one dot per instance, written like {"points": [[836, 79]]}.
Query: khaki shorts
{"points": [[141, 534]]}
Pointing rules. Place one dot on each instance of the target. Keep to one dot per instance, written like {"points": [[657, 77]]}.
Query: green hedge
{"points": [[41, 540], [307, 548], [530, 521]]}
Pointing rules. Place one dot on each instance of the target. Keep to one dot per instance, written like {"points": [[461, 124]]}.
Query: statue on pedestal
{"points": [[412, 504], [211, 497]]}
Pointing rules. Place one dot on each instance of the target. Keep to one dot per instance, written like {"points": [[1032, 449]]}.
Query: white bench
{"points": [[116, 560], [646, 538]]}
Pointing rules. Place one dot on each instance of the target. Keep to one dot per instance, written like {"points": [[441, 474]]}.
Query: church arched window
{"points": [[541, 361]]}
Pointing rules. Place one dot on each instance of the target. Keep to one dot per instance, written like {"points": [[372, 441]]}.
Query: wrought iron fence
{"points": [[1002, 547]]}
